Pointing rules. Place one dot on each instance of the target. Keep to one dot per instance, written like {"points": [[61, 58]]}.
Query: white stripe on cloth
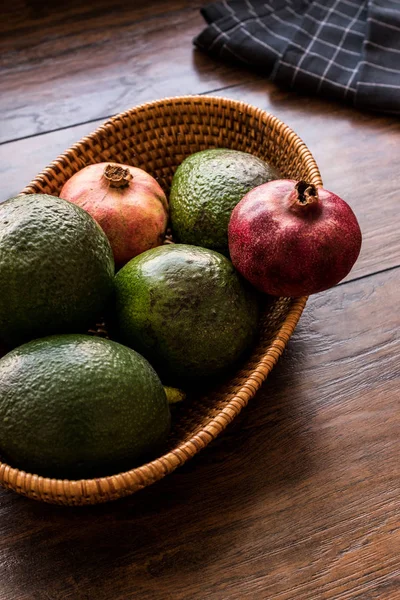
{"points": [[349, 87], [386, 85], [366, 62], [285, 39], [387, 48], [311, 74], [322, 23], [371, 19], [342, 48], [338, 12], [333, 25], [339, 48], [241, 25], [222, 34], [308, 34], [305, 32], [353, 4]]}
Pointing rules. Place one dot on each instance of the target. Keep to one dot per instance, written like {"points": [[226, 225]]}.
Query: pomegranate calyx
{"points": [[117, 176], [306, 193]]}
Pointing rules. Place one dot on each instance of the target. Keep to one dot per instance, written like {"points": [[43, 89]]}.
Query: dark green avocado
{"points": [[78, 406], [186, 309], [205, 189], [56, 268]]}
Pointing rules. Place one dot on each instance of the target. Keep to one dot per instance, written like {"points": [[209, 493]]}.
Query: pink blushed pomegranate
{"points": [[289, 238], [127, 202]]}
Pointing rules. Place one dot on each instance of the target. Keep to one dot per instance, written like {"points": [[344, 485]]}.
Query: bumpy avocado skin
{"points": [[78, 406], [205, 189], [186, 309], [56, 268]]}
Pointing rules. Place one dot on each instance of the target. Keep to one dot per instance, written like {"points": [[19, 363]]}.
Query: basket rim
{"points": [[97, 490], [260, 113]]}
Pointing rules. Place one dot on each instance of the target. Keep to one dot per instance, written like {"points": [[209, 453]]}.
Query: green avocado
{"points": [[205, 189], [186, 309], [78, 406], [56, 268]]}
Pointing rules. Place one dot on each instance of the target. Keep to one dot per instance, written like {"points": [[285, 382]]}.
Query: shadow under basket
{"points": [[157, 137]]}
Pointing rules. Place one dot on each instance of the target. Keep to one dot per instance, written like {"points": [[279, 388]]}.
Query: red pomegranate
{"points": [[289, 238], [127, 202]]}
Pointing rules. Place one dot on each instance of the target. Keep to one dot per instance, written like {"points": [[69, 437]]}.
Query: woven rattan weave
{"points": [[157, 137]]}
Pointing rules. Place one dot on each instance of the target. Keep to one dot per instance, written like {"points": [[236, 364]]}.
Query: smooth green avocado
{"points": [[78, 406], [56, 268], [205, 189], [186, 309]]}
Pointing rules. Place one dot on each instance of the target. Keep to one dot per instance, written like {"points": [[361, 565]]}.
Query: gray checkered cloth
{"points": [[347, 49]]}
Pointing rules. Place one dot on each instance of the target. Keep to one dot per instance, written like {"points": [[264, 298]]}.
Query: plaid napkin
{"points": [[347, 49]]}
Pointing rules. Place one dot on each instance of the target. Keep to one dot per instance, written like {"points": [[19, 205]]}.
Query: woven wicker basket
{"points": [[157, 137]]}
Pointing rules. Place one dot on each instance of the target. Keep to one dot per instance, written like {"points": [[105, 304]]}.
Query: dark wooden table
{"points": [[300, 498]]}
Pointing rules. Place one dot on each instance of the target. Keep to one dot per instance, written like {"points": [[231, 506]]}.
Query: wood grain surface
{"points": [[85, 61], [300, 498]]}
